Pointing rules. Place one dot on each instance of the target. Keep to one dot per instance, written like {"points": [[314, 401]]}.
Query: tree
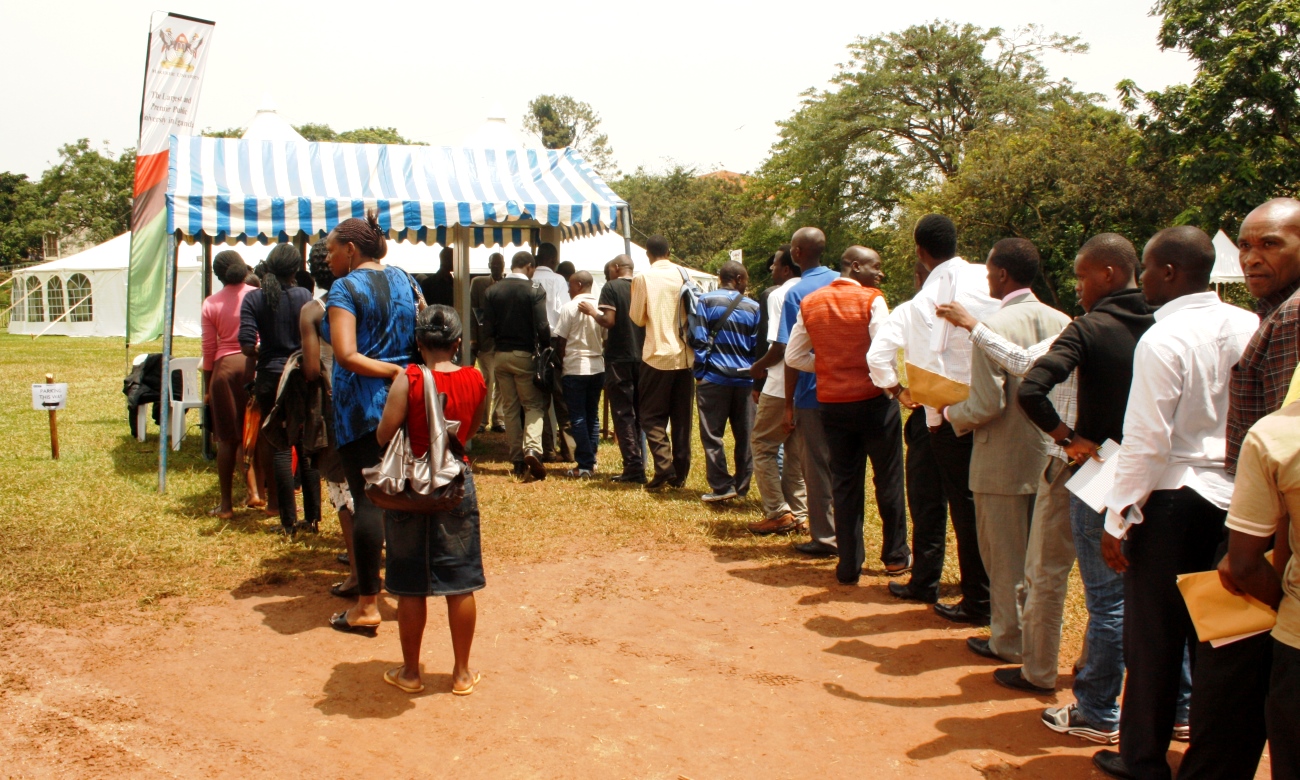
{"points": [[898, 116], [16, 237], [229, 132], [701, 216], [322, 133], [1056, 179], [1234, 132], [561, 121]]}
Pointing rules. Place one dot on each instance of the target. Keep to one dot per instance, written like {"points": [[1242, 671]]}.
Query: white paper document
{"points": [[946, 293], [1093, 480], [1227, 640]]}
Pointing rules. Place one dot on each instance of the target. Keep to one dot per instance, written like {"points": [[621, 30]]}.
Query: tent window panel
{"points": [[35, 301], [79, 299], [54, 297]]}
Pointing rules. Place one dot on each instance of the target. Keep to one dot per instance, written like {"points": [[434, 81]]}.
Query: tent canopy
{"points": [[240, 190], [1227, 261]]}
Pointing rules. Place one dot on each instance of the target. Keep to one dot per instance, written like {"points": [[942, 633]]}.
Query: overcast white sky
{"points": [[701, 82]]}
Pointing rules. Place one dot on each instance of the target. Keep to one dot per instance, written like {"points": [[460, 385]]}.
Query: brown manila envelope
{"points": [[1218, 614], [934, 390]]}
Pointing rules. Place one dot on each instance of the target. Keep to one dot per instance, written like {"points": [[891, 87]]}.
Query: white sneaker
{"points": [[1067, 720]]}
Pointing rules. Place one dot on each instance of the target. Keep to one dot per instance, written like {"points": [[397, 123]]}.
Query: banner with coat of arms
{"points": [[173, 77]]}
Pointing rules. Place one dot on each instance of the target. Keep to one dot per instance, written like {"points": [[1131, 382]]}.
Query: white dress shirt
{"points": [[775, 384], [969, 286], [1175, 425], [557, 293], [584, 339], [799, 353]]}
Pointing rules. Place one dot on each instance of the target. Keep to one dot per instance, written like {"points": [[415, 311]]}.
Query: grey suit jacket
{"points": [[1010, 452]]}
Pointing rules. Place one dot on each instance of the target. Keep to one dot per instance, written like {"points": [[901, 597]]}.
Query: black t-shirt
{"points": [[276, 332], [438, 288], [625, 338]]}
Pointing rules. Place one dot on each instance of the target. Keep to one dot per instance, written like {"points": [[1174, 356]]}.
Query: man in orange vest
{"points": [[831, 338]]}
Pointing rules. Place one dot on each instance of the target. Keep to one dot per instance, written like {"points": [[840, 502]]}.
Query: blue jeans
{"points": [[582, 393], [1098, 683]]}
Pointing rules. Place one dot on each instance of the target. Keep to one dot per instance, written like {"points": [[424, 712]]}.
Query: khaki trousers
{"points": [[782, 489], [514, 372], [1002, 523], [487, 364], [1048, 562]]}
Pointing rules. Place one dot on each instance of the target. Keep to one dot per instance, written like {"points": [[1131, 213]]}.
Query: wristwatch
{"points": [[1067, 441]]}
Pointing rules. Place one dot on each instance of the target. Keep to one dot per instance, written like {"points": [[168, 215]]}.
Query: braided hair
{"points": [[364, 234], [229, 267], [319, 267], [438, 327], [282, 267]]}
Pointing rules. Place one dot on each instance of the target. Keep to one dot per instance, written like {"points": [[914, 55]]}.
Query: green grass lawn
{"points": [[89, 536]]}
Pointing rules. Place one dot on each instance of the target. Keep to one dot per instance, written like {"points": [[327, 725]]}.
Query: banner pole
{"points": [[165, 399]]}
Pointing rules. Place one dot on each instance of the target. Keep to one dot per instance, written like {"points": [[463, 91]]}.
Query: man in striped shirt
{"points": [[725, 350]]}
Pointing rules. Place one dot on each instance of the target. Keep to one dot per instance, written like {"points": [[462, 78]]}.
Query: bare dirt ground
{"points": [[646, 665]]}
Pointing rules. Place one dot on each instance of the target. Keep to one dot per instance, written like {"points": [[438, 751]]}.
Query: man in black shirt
{"points": [[440, 287], [514, 317], [622, 364]]}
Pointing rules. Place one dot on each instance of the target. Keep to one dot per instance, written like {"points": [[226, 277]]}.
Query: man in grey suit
{"points": [[1009, 453]]}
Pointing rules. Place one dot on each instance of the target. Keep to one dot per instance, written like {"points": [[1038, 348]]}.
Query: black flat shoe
{"points": [[981, 648], [1112, 763], [816, 549], [339, 622], [638, 479], [345, 593], [957, 613], [905, 592], [1013, 679]]}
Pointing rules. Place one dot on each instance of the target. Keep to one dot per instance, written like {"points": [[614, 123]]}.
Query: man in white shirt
{"points": [[580, 343], [1171, 492], [557, 295], [935, 345], [785, 500]]}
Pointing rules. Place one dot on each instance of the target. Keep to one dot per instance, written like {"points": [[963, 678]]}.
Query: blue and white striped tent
{"points": [[241, 191]]}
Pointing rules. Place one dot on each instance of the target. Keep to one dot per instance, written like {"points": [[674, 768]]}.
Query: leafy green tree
{"points": [[561, 121], [1234, 132], [701, 216], [375, 135], [1056, 179], [17, 238], [229, 132], [317, 132], [898, 116]]}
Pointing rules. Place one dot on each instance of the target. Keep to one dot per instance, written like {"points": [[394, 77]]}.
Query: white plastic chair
{"points": [[141, 411], [190, 399]]}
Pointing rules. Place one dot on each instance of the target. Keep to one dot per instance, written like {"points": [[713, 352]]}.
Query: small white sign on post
{"points": [[738, 255], [49, 398]]}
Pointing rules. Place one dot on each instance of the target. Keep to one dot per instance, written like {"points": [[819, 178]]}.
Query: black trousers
{"points": [[367, 519], [1283, 712], [264, 389], [1179, 534], [668, 399], [952, 453], [1230, 689], [621, 381], [719, 405], [927, 506], [556, 442], [856, 432]]}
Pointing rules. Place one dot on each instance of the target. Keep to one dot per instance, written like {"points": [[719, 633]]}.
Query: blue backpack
{"points": [[693, 321]]}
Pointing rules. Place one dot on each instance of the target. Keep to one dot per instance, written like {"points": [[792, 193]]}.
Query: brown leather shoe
{"points": [[777, 525]]}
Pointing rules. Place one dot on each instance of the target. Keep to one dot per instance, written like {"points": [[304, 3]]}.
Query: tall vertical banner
{"points": [[173, 78]]}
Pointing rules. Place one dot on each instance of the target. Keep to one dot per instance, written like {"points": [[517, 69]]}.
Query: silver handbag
{"points": [[434, 483]]}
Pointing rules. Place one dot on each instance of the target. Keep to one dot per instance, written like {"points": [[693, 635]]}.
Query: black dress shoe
{"points": [[1013, 679], [1112, 763], [905, 592], [981, 647], [957, 613], [816, 549], [638, 479]]}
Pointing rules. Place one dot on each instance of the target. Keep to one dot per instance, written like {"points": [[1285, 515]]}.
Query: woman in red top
{"points": [[439, 554]]}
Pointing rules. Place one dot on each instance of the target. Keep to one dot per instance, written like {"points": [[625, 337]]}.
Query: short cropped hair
{"points": [[657, 247], [937, 235], [1018, 257]]}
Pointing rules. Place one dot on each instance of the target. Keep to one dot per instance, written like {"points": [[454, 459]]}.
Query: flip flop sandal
{"points": [[478, 676], [343, 559], [393, 678], [217, 513], [339, 622], [345, 593]]}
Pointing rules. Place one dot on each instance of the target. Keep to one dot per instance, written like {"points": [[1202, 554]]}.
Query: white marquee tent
{"points": [[1227, 261], [85, 294]]}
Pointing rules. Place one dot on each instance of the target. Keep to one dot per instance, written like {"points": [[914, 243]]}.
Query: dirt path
{"points": [[654, 665]]}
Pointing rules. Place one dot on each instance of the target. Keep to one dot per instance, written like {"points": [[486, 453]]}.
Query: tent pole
{"points": [[208, 454], [625, 218], [462, 291], [165, 399]]}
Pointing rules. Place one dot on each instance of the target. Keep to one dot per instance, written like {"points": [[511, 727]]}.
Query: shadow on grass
{"points": [[976, 687]]}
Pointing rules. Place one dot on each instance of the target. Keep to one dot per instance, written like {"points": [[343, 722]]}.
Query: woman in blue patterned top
{"points": [[371, 328]]}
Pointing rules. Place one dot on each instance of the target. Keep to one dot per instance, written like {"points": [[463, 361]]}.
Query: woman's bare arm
{"points": [[394, 410], [309, 329]]}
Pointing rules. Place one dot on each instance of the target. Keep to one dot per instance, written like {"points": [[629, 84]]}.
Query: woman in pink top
{"points": [[226, 370]]}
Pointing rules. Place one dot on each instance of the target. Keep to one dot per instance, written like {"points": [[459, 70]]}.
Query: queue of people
{"points": [[1189, 389]]}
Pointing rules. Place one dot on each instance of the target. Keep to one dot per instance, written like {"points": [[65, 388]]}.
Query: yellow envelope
{"points": [[1218, 614], [934, 390]]}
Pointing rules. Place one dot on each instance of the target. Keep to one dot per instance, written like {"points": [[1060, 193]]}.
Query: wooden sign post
{"points": [[51, 397]]}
